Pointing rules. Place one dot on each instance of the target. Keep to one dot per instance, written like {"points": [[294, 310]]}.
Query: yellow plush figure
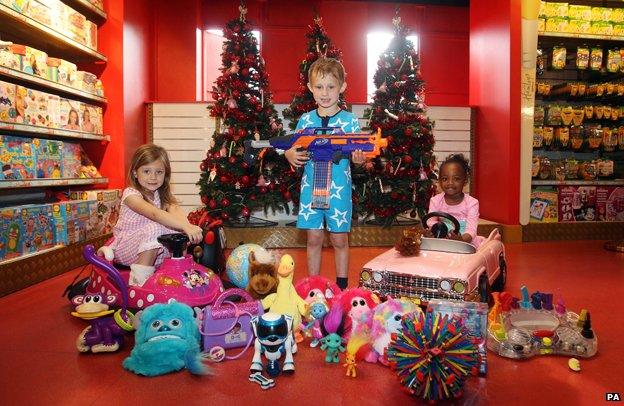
{"points": [[286, 300]]}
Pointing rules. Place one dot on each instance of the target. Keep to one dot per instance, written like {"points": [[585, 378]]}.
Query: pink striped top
{"points": [[466, 212]]}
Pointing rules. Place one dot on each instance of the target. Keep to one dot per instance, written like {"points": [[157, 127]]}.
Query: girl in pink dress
{"points": [[148, 210], [465, 208]]}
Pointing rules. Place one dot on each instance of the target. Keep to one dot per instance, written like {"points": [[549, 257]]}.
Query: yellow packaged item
{"points": [[578, 12], [617, 15], [556, 24], [578, 26], [601, 28], [600, 14], [541, 24]]}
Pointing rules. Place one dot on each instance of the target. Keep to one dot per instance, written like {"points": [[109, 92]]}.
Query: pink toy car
{"points": [[444, 269], [179, 278]]}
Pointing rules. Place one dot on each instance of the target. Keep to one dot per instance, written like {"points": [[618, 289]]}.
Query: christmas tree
{"points": [[319, 45], [401, 180], [230, 187]]}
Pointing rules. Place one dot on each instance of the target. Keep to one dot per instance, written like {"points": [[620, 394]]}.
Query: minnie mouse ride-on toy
{"points": [[178, 277]]}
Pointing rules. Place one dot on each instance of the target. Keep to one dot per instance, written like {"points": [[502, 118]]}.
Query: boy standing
{"points": [[326, 82]]}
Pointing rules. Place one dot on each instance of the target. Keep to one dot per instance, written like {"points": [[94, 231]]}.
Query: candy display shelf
{"points": [[596, 182], [45, 84], [22, 29], [29, 183], [45, 132], [581, 36]]}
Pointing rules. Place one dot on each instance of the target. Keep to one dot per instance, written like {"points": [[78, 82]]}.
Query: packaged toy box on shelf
{"points": [[578, 135], [47, 109]]}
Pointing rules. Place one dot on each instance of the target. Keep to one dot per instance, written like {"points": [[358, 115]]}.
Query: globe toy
{"points": [[237, 264]]}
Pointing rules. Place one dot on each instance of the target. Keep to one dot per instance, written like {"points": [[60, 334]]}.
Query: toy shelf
{"points": [[92, 12], [45, 84], [17, 27], [29, 183], [614, 182], [580, 36], [37, 131], [32, 254]]}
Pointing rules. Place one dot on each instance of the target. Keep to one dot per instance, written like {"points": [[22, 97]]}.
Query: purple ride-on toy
{"points": [[178, 278]]}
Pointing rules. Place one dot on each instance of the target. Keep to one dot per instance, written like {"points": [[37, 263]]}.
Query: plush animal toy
{"points": [[286, 300], [332, 328], [166, 340], [385, 320], [262, 277], [356, 303], [313, 287]]}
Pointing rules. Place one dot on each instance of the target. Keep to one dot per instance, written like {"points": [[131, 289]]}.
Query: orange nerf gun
{"points": [[333, 146]]}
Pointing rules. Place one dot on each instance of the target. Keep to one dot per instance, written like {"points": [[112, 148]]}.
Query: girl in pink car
{"points": [[465, 208]]}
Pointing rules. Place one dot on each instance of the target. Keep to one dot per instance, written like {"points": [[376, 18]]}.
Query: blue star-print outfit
{"points": [[337, 218]]}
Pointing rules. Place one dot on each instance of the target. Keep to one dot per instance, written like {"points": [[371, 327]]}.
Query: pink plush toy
{"points": [[384, 320], [356, 303], [313, 287]]}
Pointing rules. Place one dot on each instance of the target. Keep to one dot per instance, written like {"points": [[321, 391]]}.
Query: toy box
{"points": [[70, 114], [577, 203], [77, 24], [103, 215], [53, 65], [67, 72], [40, 10], [91, 119], [9, 59], [71, 221], [72, 159], [97, 3], [610, 203], [85, 81], [49, 158], [54, 111], [11, 234], [34, 62], [39, 230], [474, 317], [35, 107], [8, 113], [17, 157], [544, 205], [92, 30]]}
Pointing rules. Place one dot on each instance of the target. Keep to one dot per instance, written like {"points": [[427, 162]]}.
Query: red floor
{"points": [[40, 365]]}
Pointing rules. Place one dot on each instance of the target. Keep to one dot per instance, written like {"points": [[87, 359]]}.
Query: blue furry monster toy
{"points": [[167, 340]]}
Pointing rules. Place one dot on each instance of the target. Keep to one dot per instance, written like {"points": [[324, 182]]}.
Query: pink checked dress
{"points": [[466, 212], [135, 233]]}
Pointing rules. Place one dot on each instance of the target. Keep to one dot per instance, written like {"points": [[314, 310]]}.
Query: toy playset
{"points": [[11, 233], [532, 325], [39, 229], [8, 111], [49, 158]]}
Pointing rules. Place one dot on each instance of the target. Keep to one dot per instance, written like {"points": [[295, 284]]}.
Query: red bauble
{"points": [[223, 179], [311, 56], [287, 195], [252, 197], [258, 108], [244, 179], [225, 216], [404, 77], [263, 189], [202, 166], [255, 76], [205, 199], [236, 28], [245, 212], [230, 130], [244, 71], [212, 204], [225, 202], [245, 165], [409, 131], [242, 132], [407, 159], [209, 237], [390, 139], [232, 159], [394, 195], [236, 94]]}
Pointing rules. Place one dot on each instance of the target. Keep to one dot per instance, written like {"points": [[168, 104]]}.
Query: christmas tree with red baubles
{"points": [[319, 45], [231, 188], [402, 179]]}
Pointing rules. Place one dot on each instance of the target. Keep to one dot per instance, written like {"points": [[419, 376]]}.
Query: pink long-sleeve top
{"points": [[466, 212]]}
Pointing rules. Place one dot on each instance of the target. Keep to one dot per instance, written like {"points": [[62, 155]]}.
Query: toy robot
{"points": [[274, 339]]}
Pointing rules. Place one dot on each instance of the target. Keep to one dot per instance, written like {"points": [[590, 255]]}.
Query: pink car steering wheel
{"points": [[440, 229]]}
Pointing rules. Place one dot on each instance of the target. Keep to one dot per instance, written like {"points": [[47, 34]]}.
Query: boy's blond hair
{"points": [[326, 66]]}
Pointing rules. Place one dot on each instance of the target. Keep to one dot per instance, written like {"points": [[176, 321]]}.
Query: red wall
{"points": [[443, 32], [137, 69], [495, 92]]}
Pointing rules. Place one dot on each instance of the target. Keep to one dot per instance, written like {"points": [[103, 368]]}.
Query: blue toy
{"points": [[166, 340], [273, 339]]}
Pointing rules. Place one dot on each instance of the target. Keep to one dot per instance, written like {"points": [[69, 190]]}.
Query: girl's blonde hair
{"points": [[326, 66], [145, 155]]}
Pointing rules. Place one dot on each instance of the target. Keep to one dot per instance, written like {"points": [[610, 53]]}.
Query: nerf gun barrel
{"points": [[322, 147]]}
